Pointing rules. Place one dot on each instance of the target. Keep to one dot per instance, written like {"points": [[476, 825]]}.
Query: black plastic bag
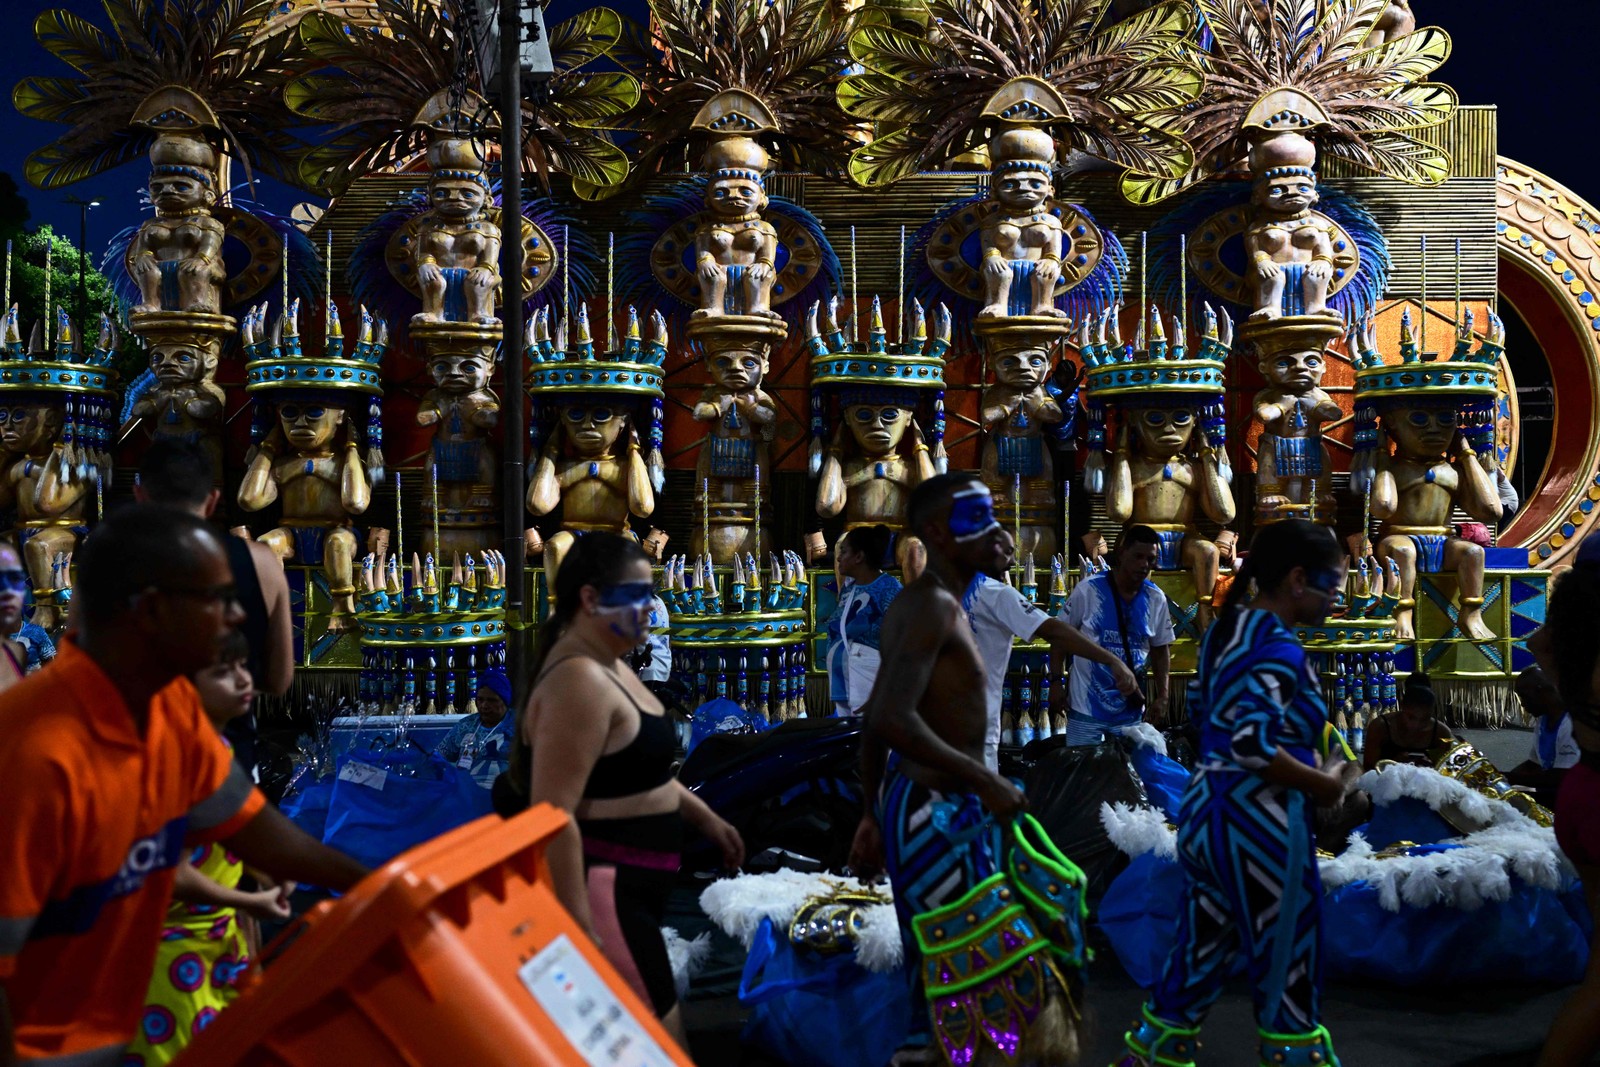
{"points": [[1066, 785]]}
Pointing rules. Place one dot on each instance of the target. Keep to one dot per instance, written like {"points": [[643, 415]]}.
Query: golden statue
{"points": [[176, 257], [1016, 411], [184, 402], [464, 412], [1162, 473], [592, 463], [736, 450], [1290, 245], [1290, 454], [735, 247], [1433, 467], [877, 454], [54, 436], [311, 461], [1022, 237], [457, 246]]}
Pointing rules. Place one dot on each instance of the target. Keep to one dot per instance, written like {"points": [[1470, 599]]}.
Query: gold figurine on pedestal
{"points": [[739, 415], [591, 462], [311, 460], [55, 441], [1291, 457], [1439, 417], [877, 453], [1169, 466], [1017, 411]]}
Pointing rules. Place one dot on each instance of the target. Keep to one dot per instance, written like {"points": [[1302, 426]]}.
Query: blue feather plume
{"points": [[1099, 288], [136, 390], [1358, 298]]}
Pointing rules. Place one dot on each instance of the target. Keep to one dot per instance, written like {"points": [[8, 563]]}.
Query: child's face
{"points": [[226, 690]]}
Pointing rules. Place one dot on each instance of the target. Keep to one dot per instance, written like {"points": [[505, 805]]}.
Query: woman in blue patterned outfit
{"points": [[1246, 838]]}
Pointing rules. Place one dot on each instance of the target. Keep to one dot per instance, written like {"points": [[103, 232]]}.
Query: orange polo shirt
{"points": [[93, 822]]}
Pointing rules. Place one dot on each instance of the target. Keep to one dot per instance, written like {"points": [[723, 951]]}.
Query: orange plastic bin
{"points": [[456, 952]]}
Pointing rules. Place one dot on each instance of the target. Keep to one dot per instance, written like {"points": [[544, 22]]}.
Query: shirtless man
{"points": [[928, 705]]}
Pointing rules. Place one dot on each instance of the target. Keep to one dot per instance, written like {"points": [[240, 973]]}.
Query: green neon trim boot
{"points": [[1154, 1042], [1314, 1049]]}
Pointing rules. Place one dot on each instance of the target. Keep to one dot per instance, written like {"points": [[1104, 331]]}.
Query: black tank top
{"points": [[641, 765]]}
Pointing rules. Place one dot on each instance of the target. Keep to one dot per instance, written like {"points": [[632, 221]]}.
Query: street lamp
{"points": [[83, 256]]}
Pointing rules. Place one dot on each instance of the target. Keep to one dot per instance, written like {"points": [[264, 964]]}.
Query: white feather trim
{"points": [[686, 957], [1467, 877], [1146, 736], [738, 905], [1438, 792], [1136, 831]]}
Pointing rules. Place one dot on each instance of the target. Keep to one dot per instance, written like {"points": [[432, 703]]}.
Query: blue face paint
{"points": [[13, 581], [972, 514], [627, 595]]}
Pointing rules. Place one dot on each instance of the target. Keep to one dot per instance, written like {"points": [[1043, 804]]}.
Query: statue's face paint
{"points": [[972, 514], [626, 608]]}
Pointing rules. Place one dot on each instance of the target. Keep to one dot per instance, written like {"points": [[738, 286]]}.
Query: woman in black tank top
{"points": [[595, 742]]}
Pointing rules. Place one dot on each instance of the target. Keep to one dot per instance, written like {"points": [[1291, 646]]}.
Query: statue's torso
{"points": [[1021, 236], [1289, 240], [877, 489], [735, 243], [1425, 491], [308, 486], [457, 244], [172, 239], [1163, 490], [599, 496]]}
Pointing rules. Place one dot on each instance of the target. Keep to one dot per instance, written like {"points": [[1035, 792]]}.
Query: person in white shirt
{"points": [[1000, 614], [658, 666], [1123, 611], [1554, 750]]}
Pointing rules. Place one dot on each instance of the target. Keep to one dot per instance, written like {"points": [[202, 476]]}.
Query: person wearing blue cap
{"points": [[481, 743]]}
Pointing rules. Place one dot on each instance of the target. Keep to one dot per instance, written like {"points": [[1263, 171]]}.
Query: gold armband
{"points": [[1263, 257], [919, 447], [427, 261], [1322, 259], [1049, 257], [992, 253], [767, 263]]}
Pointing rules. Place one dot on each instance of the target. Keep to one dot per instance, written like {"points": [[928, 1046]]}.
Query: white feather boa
{"points": [[1478, 872], [738, 905], [686, 957]]}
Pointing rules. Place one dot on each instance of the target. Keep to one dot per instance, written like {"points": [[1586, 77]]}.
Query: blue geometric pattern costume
{"points": [[1248, 851]]}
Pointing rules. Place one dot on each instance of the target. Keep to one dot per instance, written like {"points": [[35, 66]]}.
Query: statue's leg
{"points": [[1466, 559], [1269, 301], [432, 293], [38, 554], [480, 299], [1316, 294], [555, 550], [281, 541], [714, 296], [997, 294], [1200, 557], [1271, 493], [1400, 548], [757, 297], [338, 563]]}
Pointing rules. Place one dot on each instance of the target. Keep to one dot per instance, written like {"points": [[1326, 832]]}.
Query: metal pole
{"points": [[516, 440]]}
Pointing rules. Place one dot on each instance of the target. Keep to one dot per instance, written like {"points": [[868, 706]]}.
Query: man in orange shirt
{"points": [[110, 770]]}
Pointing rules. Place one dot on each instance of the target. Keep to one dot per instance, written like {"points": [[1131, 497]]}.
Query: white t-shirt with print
{"points": [[999, 613]]}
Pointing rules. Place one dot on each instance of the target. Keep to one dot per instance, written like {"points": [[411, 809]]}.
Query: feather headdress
{"points": [[1303, 66], [1045, 63], [766, 70], [192, 69], [373, 84]]}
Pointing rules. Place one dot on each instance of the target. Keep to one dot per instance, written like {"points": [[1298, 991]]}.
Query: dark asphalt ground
{"points": [[1372, 1025]]}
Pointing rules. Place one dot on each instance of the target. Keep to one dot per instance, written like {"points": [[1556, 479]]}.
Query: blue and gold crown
{"points": [[1467, 373], [278, 363], [1116, 371], [879, 372], [59, 369], [636, 370]]}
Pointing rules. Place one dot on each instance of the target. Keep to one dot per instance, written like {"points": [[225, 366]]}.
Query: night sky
{"points": [[1538, 69]]}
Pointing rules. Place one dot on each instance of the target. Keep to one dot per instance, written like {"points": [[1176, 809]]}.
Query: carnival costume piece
{"points": [[1440, 418], [56, 440], [997, 914], [310, 458], [866, 473], [1243, 841], [587, 411], [1169, 466]]}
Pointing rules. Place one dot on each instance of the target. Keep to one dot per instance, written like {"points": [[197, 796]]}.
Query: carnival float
{"points": [[736, 279]]}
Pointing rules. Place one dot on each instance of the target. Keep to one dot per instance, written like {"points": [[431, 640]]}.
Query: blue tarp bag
{"points": [[1163, 777], [382, 806], [1139, 914], [308, 809], [815, 1010], [723, 716]]}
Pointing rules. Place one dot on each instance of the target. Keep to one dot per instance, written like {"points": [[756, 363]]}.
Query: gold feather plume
{"points": [[1373, 98], [369, 83], [788, 54], [927, 94], [209, 47]]}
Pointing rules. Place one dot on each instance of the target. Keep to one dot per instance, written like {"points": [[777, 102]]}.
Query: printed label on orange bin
{"points": [[585, 1010]]}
